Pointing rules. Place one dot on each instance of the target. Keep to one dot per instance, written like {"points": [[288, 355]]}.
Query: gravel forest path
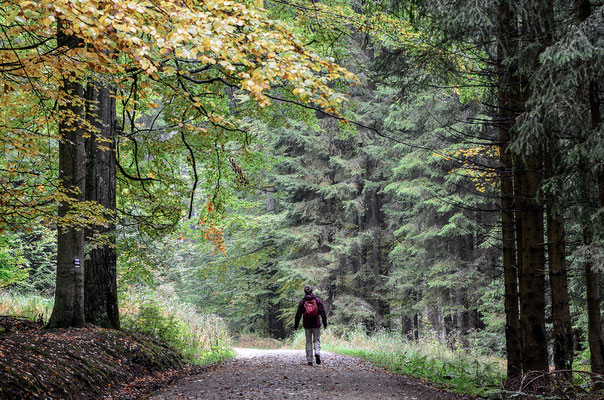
{"points": [[283, 374]]}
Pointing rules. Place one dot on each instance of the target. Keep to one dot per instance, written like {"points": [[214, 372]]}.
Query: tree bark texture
{"points": [[532, 284], [101, 263], [416, 327], [536, 35], [378, 266], [510, 276], [592, 278], [332, 287], [276, 328], [563, 335], [406, 326], [68, 310], [594, 324], [563, 338], [507, 98]]}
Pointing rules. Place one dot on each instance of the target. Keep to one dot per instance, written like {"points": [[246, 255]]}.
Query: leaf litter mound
{"points": [[82, 363]]}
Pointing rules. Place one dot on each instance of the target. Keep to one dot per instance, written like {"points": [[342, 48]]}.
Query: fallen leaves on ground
{"points": [[82, 363]]}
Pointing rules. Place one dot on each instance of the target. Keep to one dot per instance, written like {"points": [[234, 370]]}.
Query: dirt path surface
{"points": [[283, 374]]}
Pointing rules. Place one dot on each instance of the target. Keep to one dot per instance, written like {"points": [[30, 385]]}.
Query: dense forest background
{"points": [[454, 190]]}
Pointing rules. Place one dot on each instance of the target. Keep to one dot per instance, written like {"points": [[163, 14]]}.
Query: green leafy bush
{"points": [[201, 338], [14, 267]]}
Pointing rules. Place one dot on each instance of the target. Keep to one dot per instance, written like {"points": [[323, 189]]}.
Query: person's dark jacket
{"points": [[312, 323]]}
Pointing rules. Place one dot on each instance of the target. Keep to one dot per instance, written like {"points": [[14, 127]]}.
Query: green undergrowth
{"points": [[201, 338], [458, 370]]}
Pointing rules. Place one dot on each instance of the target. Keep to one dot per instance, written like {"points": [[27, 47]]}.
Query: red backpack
{"points": [[311, 310]]}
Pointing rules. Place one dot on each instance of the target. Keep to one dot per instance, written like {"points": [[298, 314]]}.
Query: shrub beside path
{"points": [[283, 374]]}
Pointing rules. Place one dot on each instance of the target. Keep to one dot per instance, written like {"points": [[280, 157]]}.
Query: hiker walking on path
{"points": [[311, 307]]}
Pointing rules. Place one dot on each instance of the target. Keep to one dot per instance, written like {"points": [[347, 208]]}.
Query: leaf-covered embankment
{"points": [[81, 363]]}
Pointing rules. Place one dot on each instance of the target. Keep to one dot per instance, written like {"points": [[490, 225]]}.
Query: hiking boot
{"points": [[310, 364], [318, 358]]}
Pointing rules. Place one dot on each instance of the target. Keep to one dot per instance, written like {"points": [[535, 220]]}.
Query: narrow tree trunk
{"points": [[332, 287], [474, 320], [594, 327], [101, 272], [563, 335], [378, 266], [594, 330], [406, 327], [462, 315], [537, 34], [416, 316], [276, 328], [512, 317], [592, 278], [416, 327], [68, 310], [449, 325], [532, 284], [563, 339], [507, 99], [440, 321]]}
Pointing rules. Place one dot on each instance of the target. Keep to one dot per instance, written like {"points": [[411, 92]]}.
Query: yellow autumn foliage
{"points": [[215, 43]]}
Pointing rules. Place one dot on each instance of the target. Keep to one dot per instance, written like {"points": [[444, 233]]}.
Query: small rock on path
{"points": [[284, 374]]}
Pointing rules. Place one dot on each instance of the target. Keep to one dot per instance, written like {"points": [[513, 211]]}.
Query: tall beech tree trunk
{"points": [[68, 310], [507, 98], [101, 273]]}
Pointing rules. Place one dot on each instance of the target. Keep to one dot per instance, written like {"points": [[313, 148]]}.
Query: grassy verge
{"points": [[31, 306], [459, 370]]}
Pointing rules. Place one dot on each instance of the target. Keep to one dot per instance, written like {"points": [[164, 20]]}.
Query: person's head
{"points": [[307, 289]]}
